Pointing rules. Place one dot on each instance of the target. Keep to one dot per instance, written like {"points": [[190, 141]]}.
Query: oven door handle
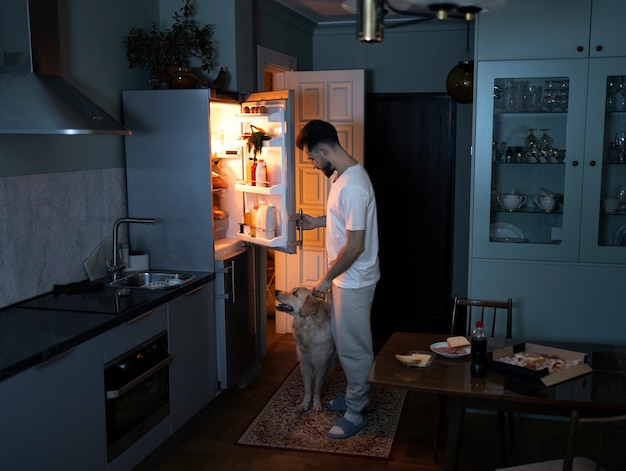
{"points": [[135, 381]]}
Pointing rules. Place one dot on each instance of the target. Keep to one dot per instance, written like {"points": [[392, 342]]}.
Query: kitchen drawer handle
{"points": [[139, 379], [54, 358], [575, 163], [194, 290], [140, 316], [232, 281], [592, 163]]}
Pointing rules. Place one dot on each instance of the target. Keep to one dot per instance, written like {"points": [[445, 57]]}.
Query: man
{"points": [[352, 273]]}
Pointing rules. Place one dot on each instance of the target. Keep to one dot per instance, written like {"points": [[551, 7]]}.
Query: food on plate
{"points": [[537, 361], [414, 358], [447, 351], [457, 342]]}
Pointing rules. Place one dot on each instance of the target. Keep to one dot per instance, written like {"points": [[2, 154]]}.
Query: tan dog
{"points": [[314, 341]]}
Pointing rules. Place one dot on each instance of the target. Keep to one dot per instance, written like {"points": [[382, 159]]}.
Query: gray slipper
{"points": [[348, 428], [339, 404]]}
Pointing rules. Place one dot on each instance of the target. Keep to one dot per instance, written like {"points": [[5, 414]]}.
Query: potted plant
{"points": [[255, 140], [167, 54]]}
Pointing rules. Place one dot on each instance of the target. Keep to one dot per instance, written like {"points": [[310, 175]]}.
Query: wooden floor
{"points": [[208, 441]]}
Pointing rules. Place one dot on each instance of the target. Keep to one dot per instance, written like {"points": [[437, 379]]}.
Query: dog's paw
{"points": [[317, 406], [303, 407]]}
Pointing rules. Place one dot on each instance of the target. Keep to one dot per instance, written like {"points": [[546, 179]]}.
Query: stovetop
{"points": [[104, 301]]}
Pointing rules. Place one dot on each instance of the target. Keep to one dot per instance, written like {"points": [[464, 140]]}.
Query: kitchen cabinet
{"points": [[529, 233], [536, 29], [193, 371], [566, 265], [53, 414]]}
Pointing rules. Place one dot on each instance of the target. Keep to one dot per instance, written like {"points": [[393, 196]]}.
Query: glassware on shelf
{"points": [[620, 147], [545, 141], [616, 95], [562, 95], [550, 95], [531, 140]]}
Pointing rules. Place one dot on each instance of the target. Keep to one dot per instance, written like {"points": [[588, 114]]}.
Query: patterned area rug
{"points": [[280, 425]]}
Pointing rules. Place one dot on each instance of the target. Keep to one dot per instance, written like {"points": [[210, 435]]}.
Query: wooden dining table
{"points": [[601, 392]]}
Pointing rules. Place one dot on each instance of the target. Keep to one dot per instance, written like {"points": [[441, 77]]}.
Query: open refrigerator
{"points": [[237, 195], [186, 167], [236, 191]]}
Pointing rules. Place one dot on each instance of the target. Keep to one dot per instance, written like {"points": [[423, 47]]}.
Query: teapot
{"points": [[620, 192]]}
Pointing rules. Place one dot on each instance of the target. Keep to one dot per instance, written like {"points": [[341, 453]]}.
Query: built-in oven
{"points": [[137, 393]]}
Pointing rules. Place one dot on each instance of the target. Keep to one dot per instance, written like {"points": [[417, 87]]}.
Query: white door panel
{"points": [[337, 96]]}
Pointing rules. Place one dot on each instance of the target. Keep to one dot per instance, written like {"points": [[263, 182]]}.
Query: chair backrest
{"points": [[600, 439], [486, 311]]}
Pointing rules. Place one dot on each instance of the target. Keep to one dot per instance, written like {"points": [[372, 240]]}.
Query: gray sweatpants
{"points": [[351, 328]]}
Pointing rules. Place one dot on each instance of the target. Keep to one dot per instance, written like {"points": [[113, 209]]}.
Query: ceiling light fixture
{"points": [[371, 13]]}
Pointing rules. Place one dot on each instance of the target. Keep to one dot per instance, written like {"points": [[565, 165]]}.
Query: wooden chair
{"points": [[489, 312], [593, 444]]}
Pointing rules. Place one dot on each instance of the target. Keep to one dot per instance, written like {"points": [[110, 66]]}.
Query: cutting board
{"points": [[96, 263]]}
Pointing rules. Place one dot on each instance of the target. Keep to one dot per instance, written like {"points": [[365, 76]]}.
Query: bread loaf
{"points": [[457, 342]]}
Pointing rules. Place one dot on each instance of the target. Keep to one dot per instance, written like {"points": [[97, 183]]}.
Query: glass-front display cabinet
{"points": [[529, 159], [550, 160], [603, 238]]}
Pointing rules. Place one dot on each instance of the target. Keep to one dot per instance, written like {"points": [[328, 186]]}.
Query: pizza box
{"points": [[538, 378]]}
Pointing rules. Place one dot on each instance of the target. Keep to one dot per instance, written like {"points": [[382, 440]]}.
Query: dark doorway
{"points": [[409, 154]]}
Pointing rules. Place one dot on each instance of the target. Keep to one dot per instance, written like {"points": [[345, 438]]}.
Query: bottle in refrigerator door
{"points": [[265, 221], [253, 172]]}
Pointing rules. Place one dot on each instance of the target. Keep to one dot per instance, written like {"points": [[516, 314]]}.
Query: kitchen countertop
{"points": [[43, 327]]}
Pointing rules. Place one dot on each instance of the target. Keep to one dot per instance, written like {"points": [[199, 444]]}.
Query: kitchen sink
{"points": [[152, 280]]}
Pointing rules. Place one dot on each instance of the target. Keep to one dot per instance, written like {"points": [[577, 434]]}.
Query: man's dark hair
{"points": [[317, 132]]}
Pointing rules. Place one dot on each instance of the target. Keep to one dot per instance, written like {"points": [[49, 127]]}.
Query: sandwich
{"points": [[458, 342], [414, 358]]}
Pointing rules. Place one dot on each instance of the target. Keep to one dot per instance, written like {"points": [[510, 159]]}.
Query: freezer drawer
{"points": [[236, 319]]}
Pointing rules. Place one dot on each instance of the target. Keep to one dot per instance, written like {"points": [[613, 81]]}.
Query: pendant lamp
{"points": [[460, 81]]}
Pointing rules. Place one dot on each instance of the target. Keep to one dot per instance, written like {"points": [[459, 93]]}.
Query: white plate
{"points": [[503, 230], [620, 237], [460, 353]]}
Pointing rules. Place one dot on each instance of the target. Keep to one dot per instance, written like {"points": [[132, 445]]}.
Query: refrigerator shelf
{"points": [[274, 189], [275, 242], [272, 117]]}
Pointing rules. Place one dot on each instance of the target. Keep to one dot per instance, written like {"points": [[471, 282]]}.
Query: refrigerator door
{"points": [[271, 115]]}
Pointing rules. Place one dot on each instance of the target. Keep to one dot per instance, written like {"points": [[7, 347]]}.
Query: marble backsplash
{"points": [[51, 223]]}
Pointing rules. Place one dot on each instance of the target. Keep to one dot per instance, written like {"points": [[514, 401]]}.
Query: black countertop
{"points": [[41, 328]]}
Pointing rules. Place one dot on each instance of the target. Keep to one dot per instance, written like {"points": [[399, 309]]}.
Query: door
{"points": [[336, 96], [410, 159]]}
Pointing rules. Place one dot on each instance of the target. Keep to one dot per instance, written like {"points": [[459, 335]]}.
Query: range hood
{"points": [[34, 98]]}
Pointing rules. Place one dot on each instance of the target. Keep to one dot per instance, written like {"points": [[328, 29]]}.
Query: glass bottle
{"points": [[478, 368]]}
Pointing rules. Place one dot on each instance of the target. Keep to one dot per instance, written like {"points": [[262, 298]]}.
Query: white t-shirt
{"points": [[352, 206]]}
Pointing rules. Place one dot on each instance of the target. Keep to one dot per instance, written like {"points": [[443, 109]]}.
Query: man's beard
{"points": [[327, 168]]}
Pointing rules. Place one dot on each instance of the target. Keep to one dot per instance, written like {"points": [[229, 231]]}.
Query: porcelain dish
{"points": [[441, 348], [505, 232]]}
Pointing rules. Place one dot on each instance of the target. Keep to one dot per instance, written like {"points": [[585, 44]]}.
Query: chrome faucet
{"points": [[115, 266]]}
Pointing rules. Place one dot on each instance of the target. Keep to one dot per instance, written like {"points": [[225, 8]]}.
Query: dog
{"points": [[314, 341]]}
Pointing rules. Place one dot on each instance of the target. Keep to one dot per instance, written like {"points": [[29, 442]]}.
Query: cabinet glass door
{"points": [[604, 195], [529, 143]]}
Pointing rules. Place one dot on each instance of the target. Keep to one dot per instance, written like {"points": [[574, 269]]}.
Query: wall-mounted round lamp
{"points": [[460, 82]]}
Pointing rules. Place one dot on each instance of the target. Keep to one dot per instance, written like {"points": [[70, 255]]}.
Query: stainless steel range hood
{"points": [[34, 98]]}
